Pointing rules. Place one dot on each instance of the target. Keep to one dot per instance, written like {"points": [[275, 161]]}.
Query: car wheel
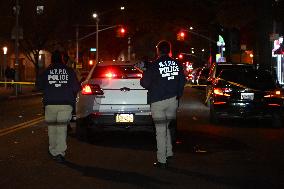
{"points": [[277, 120], [213, 116], [82, 129]]}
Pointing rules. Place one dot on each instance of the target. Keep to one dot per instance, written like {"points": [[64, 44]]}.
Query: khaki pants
{"points": [[57, 117], [162, 113]]}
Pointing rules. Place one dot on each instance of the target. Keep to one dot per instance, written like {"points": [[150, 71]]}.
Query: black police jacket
{"points": [[59, 85], [164, 79]]}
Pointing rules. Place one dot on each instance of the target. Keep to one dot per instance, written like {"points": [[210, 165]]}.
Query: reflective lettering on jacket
{"points": [[57, 77], [168, 69]]}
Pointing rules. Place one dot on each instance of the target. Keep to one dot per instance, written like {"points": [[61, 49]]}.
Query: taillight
{"points": [[86, 90], [139, 75], [92, 90], [274, 105], [110, 75], [222, 91], [273, 94]]}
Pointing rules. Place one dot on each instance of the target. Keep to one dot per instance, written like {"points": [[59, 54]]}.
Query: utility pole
{"points": [[129, 49], [17, 10], [265, 28], [97, 41], [77, 47]]}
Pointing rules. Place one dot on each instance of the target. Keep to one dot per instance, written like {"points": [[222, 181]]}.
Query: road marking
{"points": [[21, 126], [192, 85]]}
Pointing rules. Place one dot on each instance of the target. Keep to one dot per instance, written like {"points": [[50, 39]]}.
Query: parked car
{"points": [[112, 98], [246, 93], [215, 70]]}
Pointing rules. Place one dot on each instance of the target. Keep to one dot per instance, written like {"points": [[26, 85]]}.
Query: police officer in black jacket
{"points": [[165, 82], [59, 85]]}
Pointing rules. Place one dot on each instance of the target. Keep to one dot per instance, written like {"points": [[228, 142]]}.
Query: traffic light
{"points": [[180, 36], [121, 31], [180, 56]]}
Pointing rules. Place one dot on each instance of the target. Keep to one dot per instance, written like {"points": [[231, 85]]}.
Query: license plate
{"points": [[247, 96], [124, 118]]}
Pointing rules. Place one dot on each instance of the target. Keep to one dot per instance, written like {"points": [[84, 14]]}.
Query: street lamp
{"points": [[95, 16], [5, 50]]}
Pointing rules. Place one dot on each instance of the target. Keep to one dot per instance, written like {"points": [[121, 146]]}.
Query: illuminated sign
{"points": [[278, 47], [221, 41]]}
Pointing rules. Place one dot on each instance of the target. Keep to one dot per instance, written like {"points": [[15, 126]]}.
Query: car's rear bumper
{"points": [[246, 111], [108, 122]]}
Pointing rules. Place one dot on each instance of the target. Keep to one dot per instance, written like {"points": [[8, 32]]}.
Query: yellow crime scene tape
{"points": [[193, 85], [232, 83], [18, 82]]}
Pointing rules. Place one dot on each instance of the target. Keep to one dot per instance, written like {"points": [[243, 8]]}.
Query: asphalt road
{"points": [[233, 154]]}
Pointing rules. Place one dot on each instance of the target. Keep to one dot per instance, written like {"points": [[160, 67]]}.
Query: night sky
{"points": [[146, 21]]}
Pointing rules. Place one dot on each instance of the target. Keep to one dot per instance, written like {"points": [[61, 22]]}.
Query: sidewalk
{"points": [[24, 91]]}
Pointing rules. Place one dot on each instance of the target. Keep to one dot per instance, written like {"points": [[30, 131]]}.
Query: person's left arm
{"points": [[75, 84]]}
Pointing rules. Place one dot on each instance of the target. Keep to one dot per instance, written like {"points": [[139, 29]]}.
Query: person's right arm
{"points": [[40, 82], [146, 80], [181, 82], [76, 84]]}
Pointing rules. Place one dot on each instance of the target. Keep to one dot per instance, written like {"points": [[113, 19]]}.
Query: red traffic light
{"points": [[121, 32], [180, 36], [180, 56]]}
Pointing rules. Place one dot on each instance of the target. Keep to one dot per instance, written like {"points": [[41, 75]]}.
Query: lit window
{"points": [[39, 9]]}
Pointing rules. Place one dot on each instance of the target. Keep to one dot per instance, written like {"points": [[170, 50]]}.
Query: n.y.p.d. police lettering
{"points": [[57, 77], [168, 69]]}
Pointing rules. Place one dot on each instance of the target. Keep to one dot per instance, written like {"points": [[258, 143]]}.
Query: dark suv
{"points": [[215, 70], [246, 93]]}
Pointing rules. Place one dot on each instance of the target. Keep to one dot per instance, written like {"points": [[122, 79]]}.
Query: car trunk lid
{"points": [[121, 91]]}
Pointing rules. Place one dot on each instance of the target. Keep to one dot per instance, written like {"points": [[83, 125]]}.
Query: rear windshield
{"points": [[255, 79], [116, 71], [219, 68]]}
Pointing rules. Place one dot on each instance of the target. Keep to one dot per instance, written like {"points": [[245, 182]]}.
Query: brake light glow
{"points": [[273, 104], [273, 94], [93, 89], [218, 91], [219, 102], [139, 75], [86, 90], [110, 75], [221, 92]]}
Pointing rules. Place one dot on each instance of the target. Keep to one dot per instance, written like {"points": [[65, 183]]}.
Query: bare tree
{"points": [[43, 24]]}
